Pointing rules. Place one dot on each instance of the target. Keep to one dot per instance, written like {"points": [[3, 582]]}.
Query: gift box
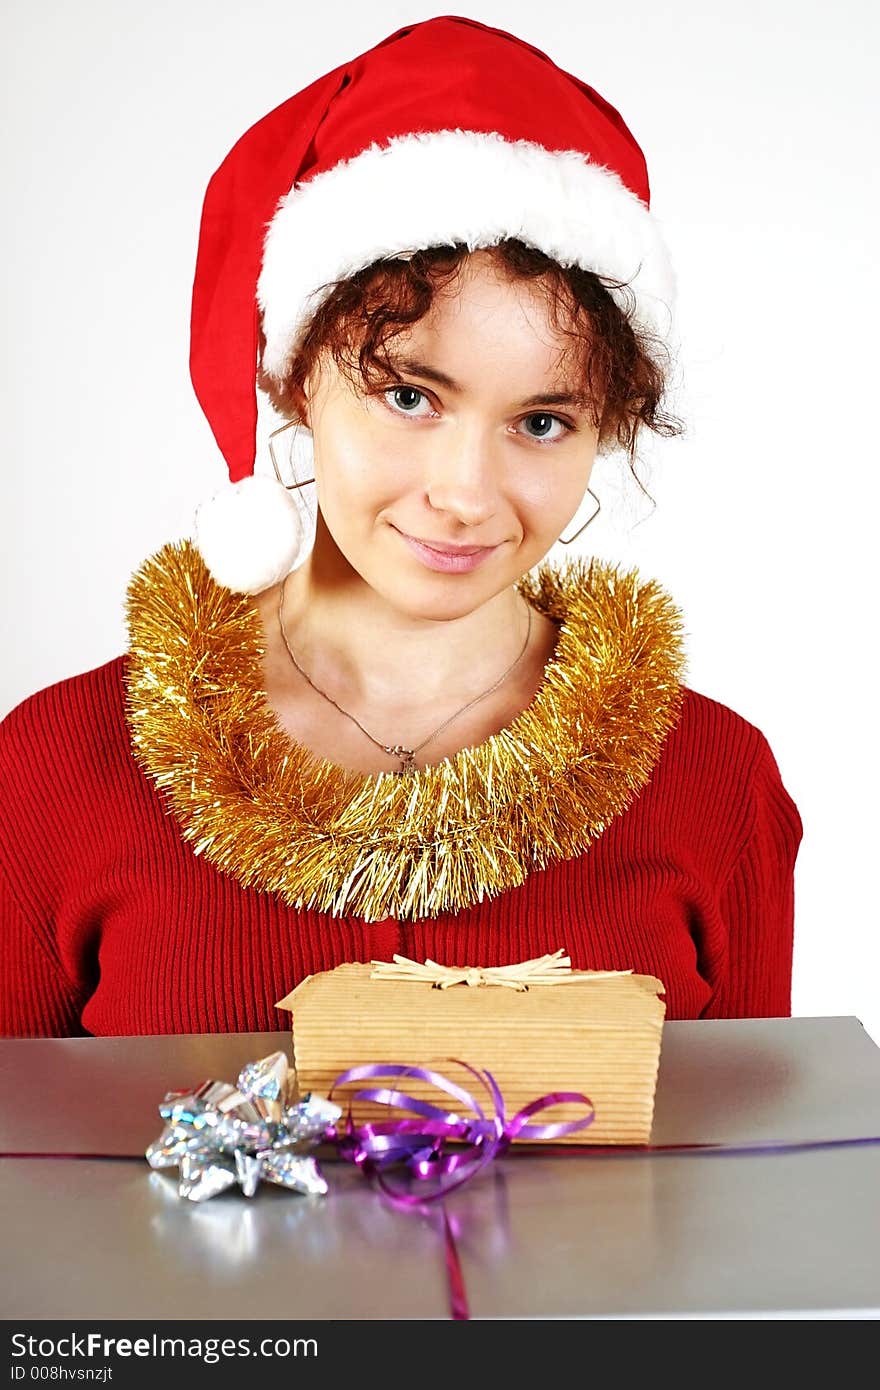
{"points": [[545, 1030]]}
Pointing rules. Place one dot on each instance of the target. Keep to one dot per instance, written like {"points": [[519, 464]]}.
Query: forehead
{"points": [[484, 314]]}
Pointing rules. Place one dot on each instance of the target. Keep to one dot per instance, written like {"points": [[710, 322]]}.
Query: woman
{"points": [[418, 737]]}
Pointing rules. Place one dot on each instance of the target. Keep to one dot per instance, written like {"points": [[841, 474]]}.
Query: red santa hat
{"points": [[448, 131]]}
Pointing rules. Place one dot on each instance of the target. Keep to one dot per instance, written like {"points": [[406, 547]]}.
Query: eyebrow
{"points": [[411, 367]]}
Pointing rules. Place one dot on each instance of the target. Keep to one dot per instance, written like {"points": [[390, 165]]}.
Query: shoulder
{"points": [[721, 765], [715, 737], [61, 751], [65, 777], [57, 727]]}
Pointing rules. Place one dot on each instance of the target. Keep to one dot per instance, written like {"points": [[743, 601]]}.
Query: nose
{"points": [[462, 476]]}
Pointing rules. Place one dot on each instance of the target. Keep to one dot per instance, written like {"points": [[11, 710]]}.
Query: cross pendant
{"points": [[407, 759]]}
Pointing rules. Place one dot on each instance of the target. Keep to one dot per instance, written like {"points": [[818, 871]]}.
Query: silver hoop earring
{"points": [[562, 539], [291, 425]]}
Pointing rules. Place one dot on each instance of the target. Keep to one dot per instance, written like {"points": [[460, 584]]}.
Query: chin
{"points": [[439, 609], [439, 598]]}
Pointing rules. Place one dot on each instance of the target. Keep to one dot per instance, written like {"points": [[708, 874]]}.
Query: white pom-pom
{"points": [[249, 534]]}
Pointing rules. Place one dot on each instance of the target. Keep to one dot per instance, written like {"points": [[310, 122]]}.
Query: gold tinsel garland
{"points": [[280, 819]]}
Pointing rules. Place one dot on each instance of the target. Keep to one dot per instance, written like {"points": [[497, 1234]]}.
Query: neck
{"points": [[359, 647]]}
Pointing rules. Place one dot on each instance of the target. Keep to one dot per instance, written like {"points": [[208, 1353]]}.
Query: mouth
{"points": [[445, 557]]}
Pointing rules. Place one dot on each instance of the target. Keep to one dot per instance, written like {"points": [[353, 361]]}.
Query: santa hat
{"points": [[447, 131]]}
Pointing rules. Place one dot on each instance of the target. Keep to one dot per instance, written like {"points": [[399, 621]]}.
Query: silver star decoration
{"points": [[221, 1135]]}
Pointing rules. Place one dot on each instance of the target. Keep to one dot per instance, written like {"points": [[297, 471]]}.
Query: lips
{"points": [[445, 546], [446, 557], [446, 549]]}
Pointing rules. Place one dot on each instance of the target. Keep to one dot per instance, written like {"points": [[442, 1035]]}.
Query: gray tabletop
{"points": [[786, 1234]]}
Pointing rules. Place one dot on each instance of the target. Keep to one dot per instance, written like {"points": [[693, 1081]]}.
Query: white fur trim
{"points": [[249, 534], [431, 189]]}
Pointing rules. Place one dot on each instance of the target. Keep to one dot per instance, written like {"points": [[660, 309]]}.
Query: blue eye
{"points": [[405, 398], [545, 424]]}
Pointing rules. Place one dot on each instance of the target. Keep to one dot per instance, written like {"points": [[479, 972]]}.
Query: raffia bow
{"points": [[554, 969]]}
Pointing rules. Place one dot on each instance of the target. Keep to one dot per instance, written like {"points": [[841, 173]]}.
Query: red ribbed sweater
{"points": [[110, 924]]}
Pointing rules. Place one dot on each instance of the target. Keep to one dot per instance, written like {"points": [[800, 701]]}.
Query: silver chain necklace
{"points": [[406, 756]]}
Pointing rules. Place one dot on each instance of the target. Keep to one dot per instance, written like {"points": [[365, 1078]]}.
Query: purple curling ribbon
{"points": [[420, 1144]]}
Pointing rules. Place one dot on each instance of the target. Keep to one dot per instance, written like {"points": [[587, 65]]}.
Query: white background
{"points": [[759, 125]]}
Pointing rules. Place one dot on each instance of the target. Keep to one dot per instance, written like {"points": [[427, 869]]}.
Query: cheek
{"points": [[548, 495], [354, 475]]}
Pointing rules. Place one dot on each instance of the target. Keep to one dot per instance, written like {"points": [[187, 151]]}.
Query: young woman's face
{"points": [[442, 491]]}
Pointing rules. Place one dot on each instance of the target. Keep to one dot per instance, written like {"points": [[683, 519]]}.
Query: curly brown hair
{"points": [[623, 373]]}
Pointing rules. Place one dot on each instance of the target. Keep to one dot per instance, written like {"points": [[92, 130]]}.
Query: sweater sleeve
{"points": [[36, 998], [752, 976]]}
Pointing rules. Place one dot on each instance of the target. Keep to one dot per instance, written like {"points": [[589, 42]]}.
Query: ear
{"points": [[298, 403], [296, 398]]}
